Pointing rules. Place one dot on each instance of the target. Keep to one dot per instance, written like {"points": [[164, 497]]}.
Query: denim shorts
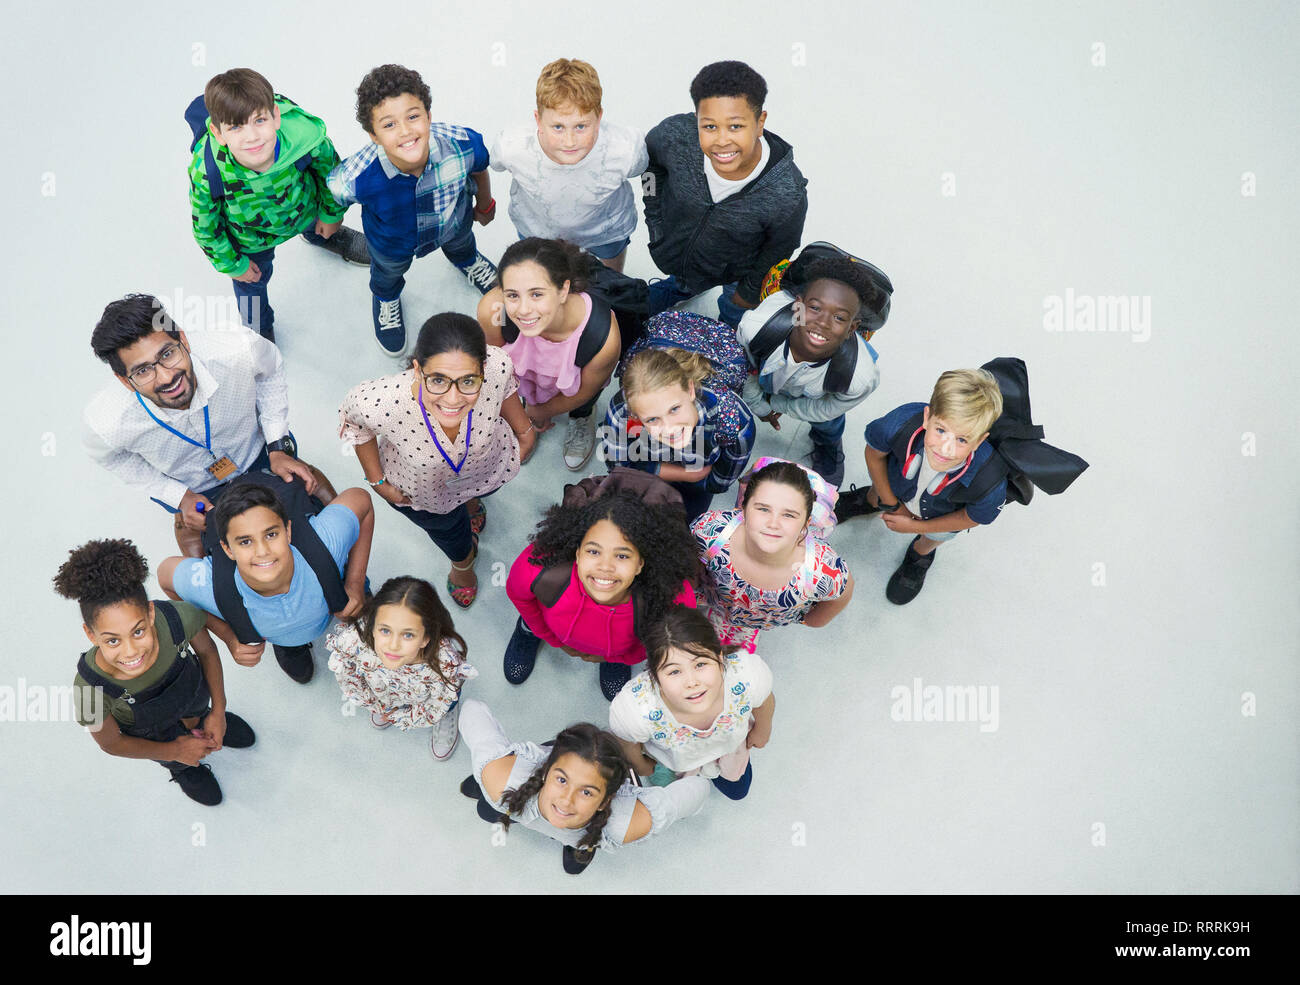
{"points": [[607, 251]]}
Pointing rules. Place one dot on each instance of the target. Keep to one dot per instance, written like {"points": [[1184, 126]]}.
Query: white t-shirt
{"points": [[638, 714], [720, 187], [923, 479], [589, 203]]}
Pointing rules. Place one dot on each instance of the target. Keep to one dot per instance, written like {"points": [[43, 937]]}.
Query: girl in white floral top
{"points": [[699, 707], [402, 658]]}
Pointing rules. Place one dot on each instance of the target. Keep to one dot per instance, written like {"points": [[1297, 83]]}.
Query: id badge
{"points": [[456, 483], [222, 469]]}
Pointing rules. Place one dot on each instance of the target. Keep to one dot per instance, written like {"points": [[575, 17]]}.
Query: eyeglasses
{"points": [[172, 357], [439, 384]]}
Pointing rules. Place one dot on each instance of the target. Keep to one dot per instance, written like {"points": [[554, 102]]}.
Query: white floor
{"points": [[1140, 630]]}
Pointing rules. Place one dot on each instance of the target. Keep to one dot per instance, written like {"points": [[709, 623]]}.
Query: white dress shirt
{"points": [[240, 380]]}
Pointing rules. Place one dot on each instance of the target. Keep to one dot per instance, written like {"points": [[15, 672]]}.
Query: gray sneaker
{"points": [[446, 733], [579, 441]]}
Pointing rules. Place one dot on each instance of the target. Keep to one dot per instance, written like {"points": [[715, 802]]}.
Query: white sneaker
{"points": [[446, 733], [579, 441]]}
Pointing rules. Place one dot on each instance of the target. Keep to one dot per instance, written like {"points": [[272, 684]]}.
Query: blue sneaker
{"points": [[521, 653], [390, 330], [482, 273]]}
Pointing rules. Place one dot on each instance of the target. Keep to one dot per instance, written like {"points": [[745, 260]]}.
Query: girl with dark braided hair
{"points": [[151, 686], [594, 576], [578, 791]]}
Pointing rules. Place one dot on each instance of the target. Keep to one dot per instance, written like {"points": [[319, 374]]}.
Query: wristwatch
{"points": [[286, 445]]}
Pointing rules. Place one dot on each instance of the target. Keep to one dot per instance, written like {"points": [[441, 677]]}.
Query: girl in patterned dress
{"points": [[766, 568], [698, 708], [667, 420], [402, 658]]}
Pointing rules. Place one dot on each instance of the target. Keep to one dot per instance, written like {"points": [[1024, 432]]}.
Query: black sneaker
{"points": [[199, 784], [906, 582], [576, 860], [348, 244], [470, 788], [854, 503], [295, 661], [239, 734], [612, 678], [828, 462], [521, 653]]}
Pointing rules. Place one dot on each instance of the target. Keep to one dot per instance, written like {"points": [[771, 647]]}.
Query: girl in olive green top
{"points": [[151, 686]]}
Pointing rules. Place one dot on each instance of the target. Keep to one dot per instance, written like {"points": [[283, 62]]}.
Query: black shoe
{"points": [[828, 462], [906, 582], [521, 653], [239, 734], [348, 244], [576, 860], [854, 503], [470, 788], [295, 661], [612, 678], [199, 784]]}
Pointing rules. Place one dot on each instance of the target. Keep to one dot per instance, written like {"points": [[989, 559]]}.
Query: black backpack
{"points": [[775, 331], [196, 115], [300, 507], [1020, 456]]}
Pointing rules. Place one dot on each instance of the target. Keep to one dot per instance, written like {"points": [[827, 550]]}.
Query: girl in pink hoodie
{"points": [[593, 576]]}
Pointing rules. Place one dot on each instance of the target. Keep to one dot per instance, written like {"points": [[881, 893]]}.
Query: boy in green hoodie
{"points": [[271, 161]]}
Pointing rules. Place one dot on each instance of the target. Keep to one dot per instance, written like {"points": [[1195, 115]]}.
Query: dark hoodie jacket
{"points": [[704, 244]]}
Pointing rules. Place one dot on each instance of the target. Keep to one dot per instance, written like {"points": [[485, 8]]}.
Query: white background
{"points": [[1120, 704]]}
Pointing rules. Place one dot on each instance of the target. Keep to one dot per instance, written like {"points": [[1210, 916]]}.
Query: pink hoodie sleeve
{"points": [[519, 588], [686, 596]]}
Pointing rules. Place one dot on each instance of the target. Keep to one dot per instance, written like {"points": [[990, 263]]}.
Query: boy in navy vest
{"points": [[414, 183], [925, 462]]}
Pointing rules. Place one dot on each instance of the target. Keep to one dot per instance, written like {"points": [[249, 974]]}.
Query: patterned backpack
{"points": [[713, 340]]}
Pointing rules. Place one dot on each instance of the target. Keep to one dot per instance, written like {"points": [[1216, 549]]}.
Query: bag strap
{"points": [[590, 344], [774, 332], [844, 363]]}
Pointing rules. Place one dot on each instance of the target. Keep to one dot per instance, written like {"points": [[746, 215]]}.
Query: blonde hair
{"points": [[967, 399], [658, 369], [567, 81]]}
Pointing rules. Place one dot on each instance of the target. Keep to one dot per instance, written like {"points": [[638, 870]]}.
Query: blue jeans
{"points": [[387, 273], [255, 309], [666, 293], [607, 251], [828, 433]]}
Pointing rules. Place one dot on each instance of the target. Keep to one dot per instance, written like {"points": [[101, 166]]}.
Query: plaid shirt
{"points": [[404, 215], [723, 439]]}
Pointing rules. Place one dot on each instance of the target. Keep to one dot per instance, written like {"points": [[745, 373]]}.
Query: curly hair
{"points": [[388, 82], [422, 599], [658, 532], [593, 746], [734, 79], [852, 275], [103, 573]]}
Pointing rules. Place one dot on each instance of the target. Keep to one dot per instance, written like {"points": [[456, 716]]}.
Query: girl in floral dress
{"points": [[766, 569], [698, 708], [402, 658]]}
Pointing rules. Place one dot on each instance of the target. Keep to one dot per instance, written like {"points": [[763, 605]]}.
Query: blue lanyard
{"points": [[469, 424], [207, 427]]}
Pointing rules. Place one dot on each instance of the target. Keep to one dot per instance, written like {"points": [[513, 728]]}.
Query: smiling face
{"points": [[251, 143], [399, 635], [776, 518], [573, 792], [449, 408], [947, 444], [607, 563], [566, 134], [729, 135], [691, 684], [124, 633], [257, 540], [669, 414], [400, 126], [172, 389], [533, 301], [827, 312]]}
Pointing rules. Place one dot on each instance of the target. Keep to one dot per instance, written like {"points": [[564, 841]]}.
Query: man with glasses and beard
{"points": [[191, 414]]}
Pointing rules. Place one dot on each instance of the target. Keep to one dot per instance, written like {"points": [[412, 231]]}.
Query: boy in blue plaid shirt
{"points": [[414, 184]]}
